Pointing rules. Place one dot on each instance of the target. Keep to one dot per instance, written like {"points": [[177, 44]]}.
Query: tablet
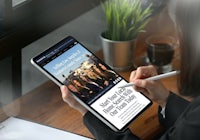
{"points": [[93, 83]]}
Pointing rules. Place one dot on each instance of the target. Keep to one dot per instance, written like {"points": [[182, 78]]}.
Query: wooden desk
{"points": [[44, 105]]}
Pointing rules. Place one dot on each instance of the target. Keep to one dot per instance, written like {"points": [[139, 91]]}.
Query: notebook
{"points": [[19, 129]]}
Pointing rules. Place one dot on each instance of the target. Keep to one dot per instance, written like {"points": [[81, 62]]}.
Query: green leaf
{"points": [[125, 19]]}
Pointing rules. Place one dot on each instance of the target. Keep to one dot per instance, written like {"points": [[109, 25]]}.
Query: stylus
{"points": [[157, 77]]}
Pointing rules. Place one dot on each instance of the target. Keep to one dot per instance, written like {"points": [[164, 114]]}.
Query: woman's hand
{"points": [[155, 90], [69, 99]]}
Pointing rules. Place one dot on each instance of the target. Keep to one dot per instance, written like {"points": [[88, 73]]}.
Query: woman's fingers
{"points": [[69, 99]]}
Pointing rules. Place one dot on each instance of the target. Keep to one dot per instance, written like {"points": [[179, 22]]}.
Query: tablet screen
{"points": [[93, 82]]}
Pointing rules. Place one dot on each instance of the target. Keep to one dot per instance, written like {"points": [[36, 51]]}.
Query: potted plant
{"points": [[125, 19]]}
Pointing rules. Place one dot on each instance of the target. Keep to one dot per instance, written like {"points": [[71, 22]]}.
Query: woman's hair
{"points": [[187, 17]]}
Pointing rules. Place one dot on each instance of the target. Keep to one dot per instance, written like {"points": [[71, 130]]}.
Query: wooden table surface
{"points": [[44, 104]]}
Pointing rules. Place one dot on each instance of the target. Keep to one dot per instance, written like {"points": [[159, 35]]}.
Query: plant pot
{"points": [[118, 54]]}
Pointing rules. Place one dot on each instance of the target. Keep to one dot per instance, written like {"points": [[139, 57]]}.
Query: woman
{"points": [[179, 116]]}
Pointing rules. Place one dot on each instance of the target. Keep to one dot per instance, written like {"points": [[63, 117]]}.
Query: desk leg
{"points": [[16, 75]]}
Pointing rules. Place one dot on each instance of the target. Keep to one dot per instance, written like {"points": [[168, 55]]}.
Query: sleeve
{"points": [[174, 107], [187, 126], [102, 132]]}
